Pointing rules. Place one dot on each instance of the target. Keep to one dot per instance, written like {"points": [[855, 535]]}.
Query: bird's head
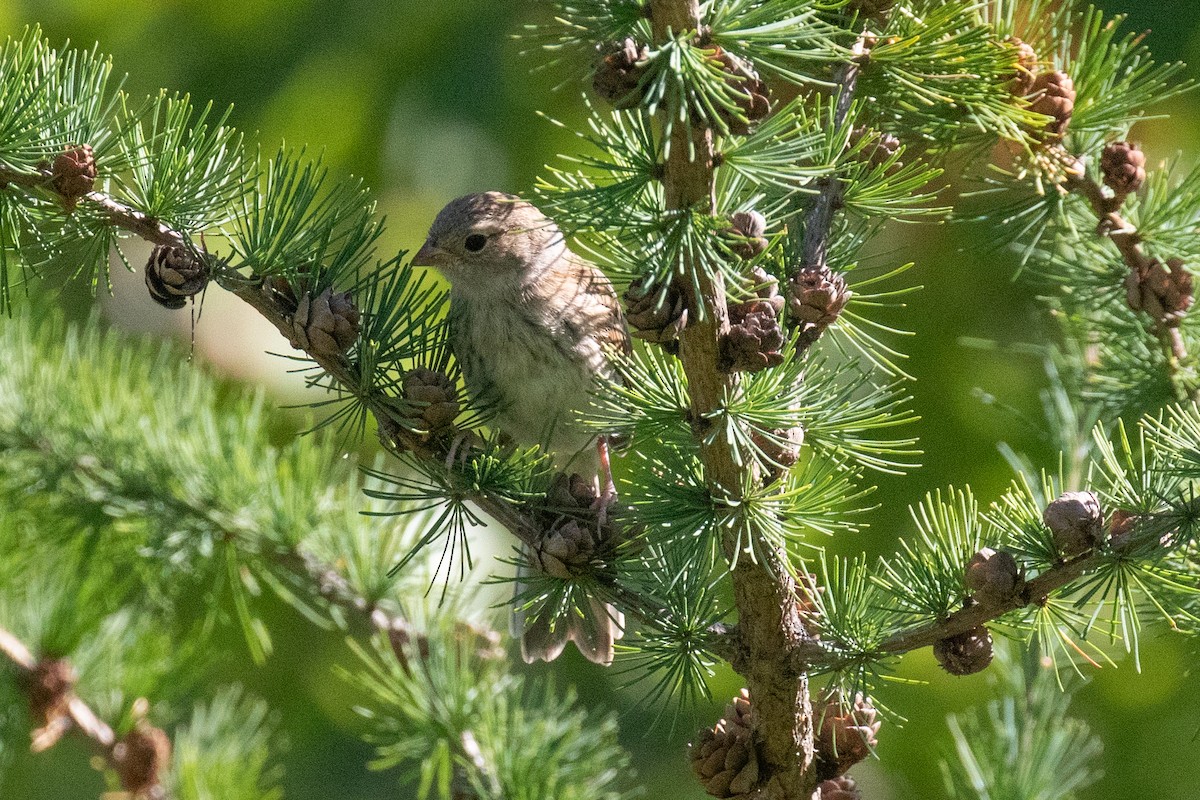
{"points": [[490, 238]]}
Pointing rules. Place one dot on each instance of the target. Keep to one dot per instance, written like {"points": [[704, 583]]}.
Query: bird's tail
{"points": [[593, 625]]}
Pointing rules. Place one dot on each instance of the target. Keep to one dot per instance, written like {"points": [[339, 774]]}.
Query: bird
{"points": [[533, 326]]}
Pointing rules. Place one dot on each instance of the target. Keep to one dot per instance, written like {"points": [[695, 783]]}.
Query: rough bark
{"points": [[768, 624]]}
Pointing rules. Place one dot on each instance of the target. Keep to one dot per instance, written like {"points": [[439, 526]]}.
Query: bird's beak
{"points": [[428, 256]]}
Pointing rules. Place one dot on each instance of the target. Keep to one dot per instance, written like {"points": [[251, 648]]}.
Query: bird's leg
{"points": [[608, 488]]}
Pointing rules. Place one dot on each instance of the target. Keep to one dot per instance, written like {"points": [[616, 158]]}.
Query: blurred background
{"points": [[428, 101]]}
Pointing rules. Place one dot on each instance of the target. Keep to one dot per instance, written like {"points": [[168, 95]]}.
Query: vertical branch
{"points": [[765, 595]]}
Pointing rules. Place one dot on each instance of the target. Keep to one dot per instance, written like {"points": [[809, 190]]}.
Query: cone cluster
{"points": [[1076, 521], [618, 73], [1124, 168], [656, 313], [141, 757], [816, 298], [965, 654], [848, 734], [325, 324], [755, 339], [723, 756], [574, 542], [993, 577], [173, 274], [433, 397], [1163, 291], [74, 173]]}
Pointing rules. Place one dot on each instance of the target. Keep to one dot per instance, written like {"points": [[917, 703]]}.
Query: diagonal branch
{"points": [[250, 290], [1035, 592], [394, 436]]}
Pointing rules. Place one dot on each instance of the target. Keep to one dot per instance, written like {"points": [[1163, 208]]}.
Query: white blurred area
{"points": [[229, 335]]}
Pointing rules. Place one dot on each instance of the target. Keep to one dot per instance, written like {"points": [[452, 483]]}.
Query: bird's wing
{"points": [[597, 294]]}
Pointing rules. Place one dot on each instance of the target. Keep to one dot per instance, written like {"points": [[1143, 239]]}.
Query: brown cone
{"points": [[74, 171], [992, 576], [816, 298], [325, 325], [1077, 522], [619, 72], [842, 787], [746, 239], [723, 756], [1163, 292], [965, 654], [1054, 96], [656, 313], [1124, 168], [755, 339], [174, 274], [781, 449], [567, 549], [571, 492], [434, 397], [141, 757], [1121, 528], [280, 290], [752, 95], [1025, 75], [846, 735], [875, 148]]}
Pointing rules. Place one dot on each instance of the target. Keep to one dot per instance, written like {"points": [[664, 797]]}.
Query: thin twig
{"points": [[1129, 242], [79, 717], [819, 221]]}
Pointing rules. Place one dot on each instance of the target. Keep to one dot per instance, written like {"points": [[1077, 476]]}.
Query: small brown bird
{"points": [[532, 326]]}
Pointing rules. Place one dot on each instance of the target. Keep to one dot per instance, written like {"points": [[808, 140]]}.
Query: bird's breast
{"points": [[527, 360]]}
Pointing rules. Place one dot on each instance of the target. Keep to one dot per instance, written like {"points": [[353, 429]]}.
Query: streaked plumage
{"points": [[532, 325]]}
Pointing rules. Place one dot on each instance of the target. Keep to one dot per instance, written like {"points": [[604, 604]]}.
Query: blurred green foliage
{"points": [[430, 100]]}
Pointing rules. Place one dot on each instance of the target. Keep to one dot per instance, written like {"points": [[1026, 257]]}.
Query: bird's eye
{"points": [[475, 242]]}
